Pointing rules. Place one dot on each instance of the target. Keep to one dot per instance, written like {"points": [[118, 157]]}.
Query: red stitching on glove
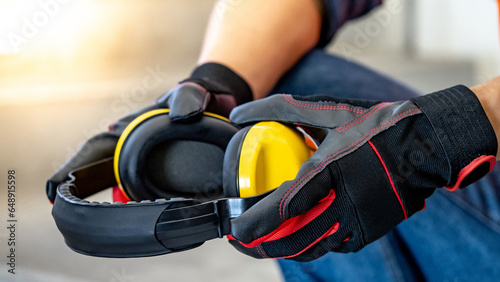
{"points": [[363, 117], [330, 158], [390, 178], [261, 251], [322, 107]]}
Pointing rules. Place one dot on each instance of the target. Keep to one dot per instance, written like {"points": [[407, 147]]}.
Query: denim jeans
{"points": [[456, 238]]}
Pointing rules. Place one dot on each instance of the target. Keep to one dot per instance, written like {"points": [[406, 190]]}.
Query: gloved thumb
{"points": [[308, 111], [186, 102]]}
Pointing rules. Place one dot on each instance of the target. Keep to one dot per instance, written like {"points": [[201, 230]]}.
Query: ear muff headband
{"points": [[136, 229]]}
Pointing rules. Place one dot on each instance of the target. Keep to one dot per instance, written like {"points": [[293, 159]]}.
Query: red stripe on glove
{"points": [[293, 224], [390, 178]]}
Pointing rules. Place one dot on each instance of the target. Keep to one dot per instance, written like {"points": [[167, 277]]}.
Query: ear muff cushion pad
{"points": [[162, 159], [231, 163]]}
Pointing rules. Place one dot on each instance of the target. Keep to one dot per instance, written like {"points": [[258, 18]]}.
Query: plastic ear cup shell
{"points": [[261, 157], [157, 158]]}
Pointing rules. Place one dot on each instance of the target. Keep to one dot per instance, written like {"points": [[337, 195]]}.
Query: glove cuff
{"points": [[219, 79], [464, 130]]}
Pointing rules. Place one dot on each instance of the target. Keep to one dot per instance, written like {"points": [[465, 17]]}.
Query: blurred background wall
{"points": [[69, 68], [64, 45]]}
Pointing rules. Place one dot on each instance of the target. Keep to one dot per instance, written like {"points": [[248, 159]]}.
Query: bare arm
{"points": [[261, 39], [488, 94]]}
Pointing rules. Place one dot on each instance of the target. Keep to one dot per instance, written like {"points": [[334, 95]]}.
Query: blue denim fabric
{"points": [[456, 238], [337, 12]]}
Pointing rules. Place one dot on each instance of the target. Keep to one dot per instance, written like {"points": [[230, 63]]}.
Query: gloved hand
{"points": [[375, 166], [212, 87]]}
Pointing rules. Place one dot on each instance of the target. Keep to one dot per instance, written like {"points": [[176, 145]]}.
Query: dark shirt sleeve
{"points": [[337, 12]]}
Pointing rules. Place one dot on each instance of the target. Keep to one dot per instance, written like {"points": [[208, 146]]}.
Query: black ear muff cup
{"points": [[163, 159], [232, 162]]}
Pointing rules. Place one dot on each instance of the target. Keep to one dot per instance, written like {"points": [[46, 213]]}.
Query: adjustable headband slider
{"points": [[192, 224], [189, 225]]}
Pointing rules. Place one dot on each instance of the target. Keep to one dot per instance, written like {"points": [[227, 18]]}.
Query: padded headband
{"points": [[137, 229]]}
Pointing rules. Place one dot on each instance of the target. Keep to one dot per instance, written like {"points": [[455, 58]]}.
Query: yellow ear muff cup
{"points": [[262, 157], [156, 158]]}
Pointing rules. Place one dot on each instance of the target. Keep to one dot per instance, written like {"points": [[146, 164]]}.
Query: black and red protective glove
{"points": [[375, 166], [212, 87]]}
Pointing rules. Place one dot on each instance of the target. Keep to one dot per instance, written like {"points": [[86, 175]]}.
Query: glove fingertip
{"points": [[253, 252], [51, 188], [186, 118], [259, 110], [258, 221]]}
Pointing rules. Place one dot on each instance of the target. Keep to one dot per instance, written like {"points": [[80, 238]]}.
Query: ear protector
{"points": [[209, 171]]}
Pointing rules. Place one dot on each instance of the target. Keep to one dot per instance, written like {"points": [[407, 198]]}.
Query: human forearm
{"points": [[261, 40], [488, 94]]}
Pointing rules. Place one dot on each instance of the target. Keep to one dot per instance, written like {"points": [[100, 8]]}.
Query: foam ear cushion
{"points": [[187, 168], [231, 164], [162, 159]]}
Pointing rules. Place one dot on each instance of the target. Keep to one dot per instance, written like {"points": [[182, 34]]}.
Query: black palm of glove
{"points": [[375, 166], [212, 87]]}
